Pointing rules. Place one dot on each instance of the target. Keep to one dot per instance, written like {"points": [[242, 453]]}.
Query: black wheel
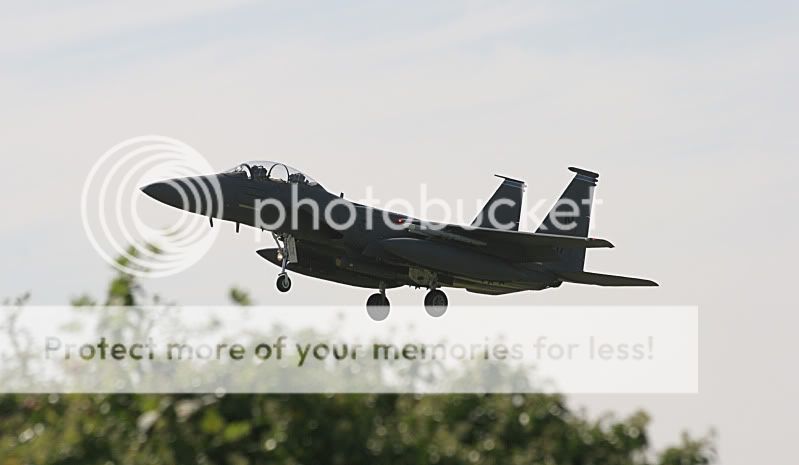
{"points": [[378, 307], [435, 303], [283, 283]]}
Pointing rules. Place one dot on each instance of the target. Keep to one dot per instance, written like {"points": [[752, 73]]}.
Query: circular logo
{"points": [[135, 233]]}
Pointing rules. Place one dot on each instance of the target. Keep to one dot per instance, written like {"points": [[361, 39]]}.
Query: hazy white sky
{"points": [[687, 109]]}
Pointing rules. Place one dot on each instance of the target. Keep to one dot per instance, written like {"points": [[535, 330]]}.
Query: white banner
{"points": [[263, 349]]}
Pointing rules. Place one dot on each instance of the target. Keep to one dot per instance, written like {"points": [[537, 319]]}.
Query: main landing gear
{"points": [[435, 303], [377, 305]]}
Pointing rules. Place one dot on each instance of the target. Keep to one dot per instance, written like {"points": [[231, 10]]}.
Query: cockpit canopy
{"points": [[264, 170]]}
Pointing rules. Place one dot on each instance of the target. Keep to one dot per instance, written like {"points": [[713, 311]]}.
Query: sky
{"points": [[688, 111]]}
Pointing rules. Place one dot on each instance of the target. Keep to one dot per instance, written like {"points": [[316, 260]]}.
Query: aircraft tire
{"points": [[283, 283], [378, 307], [435, 303]]}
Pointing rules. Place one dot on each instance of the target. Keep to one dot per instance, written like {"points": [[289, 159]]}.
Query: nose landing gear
{"points": [[285, 252], [377, 305]]}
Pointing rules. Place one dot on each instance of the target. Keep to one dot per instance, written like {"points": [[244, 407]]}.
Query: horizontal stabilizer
{"points": [[598, 279]]}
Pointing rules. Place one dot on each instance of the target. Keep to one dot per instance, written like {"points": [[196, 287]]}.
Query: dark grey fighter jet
{"points": [[323, 235]]}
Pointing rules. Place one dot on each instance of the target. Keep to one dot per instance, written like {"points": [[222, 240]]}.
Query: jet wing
{"points": [[518, 246]]}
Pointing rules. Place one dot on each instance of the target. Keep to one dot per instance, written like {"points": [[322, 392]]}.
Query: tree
{"points": [[319, 429]]}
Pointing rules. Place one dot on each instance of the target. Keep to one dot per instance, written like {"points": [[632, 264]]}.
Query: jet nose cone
{"points": [[164, 192], [199, 194]]}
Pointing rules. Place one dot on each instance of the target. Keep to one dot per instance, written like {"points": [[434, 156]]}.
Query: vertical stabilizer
{"points": [[504, 209], [571, 216]]}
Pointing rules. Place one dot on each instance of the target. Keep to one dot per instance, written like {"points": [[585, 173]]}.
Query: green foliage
{"points": [[239, 296], [375, 429], [319, 429], [123, 287], [17, 301], [693, 451], [83, 300]]}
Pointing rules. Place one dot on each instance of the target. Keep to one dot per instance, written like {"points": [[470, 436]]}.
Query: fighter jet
{"points": [[326, 236]]}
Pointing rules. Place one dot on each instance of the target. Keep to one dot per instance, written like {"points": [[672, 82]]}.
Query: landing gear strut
{"points": [[377, 305], [435, 303], [283, 280]]}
